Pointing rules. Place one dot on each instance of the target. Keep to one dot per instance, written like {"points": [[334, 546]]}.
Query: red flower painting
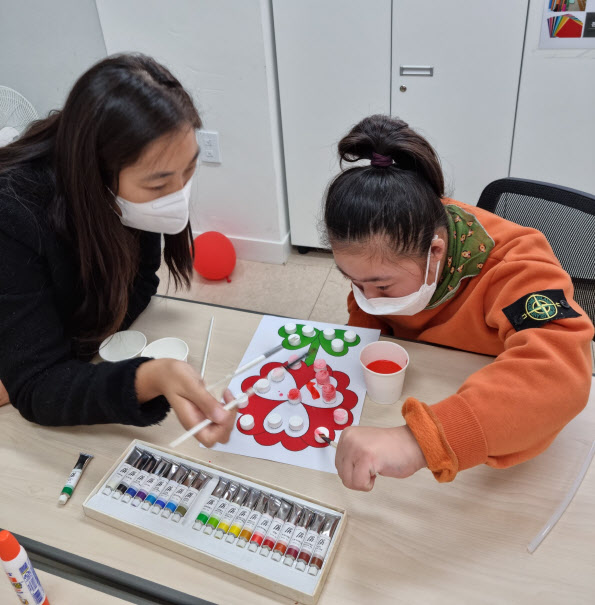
{"points": [[312, 409]]}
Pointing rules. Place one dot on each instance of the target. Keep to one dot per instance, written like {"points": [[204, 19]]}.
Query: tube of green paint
{"points": [[74, 477]]}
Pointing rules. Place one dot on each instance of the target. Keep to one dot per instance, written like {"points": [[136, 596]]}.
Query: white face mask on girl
{"points": [[404, 305], [167, 214]]}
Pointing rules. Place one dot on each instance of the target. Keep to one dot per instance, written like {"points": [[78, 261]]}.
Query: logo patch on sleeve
{"points": [[536, 309]]}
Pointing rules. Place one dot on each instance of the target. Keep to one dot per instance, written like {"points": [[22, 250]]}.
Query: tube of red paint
{"points": [[287, 532], [115, 479], [132, 474], [160, 471], [252, 520], [20, 572], [265, 522], [297, 539], [141, 478], [324, 541], [309, 542], [210, 504], [276, 527]]}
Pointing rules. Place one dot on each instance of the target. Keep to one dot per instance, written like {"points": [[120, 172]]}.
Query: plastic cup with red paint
{"points": [[384, 364]]}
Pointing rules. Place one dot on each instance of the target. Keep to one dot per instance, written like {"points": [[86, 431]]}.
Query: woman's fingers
{"points": [[3, 395]]}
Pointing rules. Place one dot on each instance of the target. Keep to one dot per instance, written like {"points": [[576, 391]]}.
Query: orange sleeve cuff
{"points": [[449, 435]]}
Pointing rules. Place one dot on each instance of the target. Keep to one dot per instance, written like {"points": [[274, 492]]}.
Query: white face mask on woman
{"points": [[167, 214], [404, 305]]}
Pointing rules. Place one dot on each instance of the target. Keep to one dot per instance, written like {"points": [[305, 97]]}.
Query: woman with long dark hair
{"points": [[428, 268], [85, 196]]}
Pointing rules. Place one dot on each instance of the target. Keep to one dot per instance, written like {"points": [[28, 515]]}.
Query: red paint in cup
{"points": [[384, 366]]}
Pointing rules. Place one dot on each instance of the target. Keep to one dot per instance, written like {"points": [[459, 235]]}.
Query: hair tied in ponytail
{"points": [[382, 161]]}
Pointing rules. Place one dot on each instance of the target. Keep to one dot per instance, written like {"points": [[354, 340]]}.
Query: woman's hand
{"points": [[364, 452], [183, 388]]}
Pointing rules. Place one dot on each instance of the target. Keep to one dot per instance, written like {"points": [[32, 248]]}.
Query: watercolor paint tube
{"points": [[161, 470], [264, 523], [190, 496], [115, 479], [20, 572], [287, 532], [141, 478], [276, 526], [131, 475], [178, 494], [309, 542], [324, 541], [231, 512], [295, 544], [177, 478], [238, 523], [159, 486], [221, 508], [252, 520], [74, 477], [210, 504]]}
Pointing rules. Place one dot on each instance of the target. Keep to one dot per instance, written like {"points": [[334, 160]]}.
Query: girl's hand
{"points": [[186, 393], [363, 452], [3, 395]]}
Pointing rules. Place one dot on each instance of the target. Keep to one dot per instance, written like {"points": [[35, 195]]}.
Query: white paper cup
{"points": [[122, 345], [170, 348], [384, 388]]}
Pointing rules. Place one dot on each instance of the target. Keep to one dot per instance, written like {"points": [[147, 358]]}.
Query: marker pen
{"points": [[324, 541], [178, 494], [190, 496], [231, 512], [159, 486], [131, 475], [160, 470], [287, 532], [169, 489], [74, 477], [252, 520], [265, 522], [210, 504], [140, 479], [242, 516], [221, 508], [295, 544], [309, 542], [114, 480], [276, 526], [20, 572]]}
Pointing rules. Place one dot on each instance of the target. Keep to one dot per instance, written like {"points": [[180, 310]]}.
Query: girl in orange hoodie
{"points": [[428, 268]]}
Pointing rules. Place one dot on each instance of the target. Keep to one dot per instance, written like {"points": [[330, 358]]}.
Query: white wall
{"points": [[555, 127], [45, 46], [222, 51]]}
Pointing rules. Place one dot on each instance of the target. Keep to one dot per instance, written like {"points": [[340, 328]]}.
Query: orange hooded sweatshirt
{"points": [[512, 409]]}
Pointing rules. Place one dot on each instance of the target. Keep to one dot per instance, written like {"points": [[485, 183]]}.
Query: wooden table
{"points": [[408, 541]]}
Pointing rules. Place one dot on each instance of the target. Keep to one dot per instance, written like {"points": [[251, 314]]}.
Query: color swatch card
{"points": [[272, 537], [324, 390], [567, 24]]}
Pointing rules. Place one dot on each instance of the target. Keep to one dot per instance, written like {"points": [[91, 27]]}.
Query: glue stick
{"points": [[20, 572]]}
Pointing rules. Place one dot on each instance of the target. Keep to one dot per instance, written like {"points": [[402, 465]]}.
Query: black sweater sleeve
{"points": [[43, 381]]}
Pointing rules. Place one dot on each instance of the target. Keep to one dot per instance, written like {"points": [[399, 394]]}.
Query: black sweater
{"points": [[45, 380]]}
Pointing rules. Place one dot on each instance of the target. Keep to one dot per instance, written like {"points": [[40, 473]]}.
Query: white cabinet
{"points": [[339, 61]]}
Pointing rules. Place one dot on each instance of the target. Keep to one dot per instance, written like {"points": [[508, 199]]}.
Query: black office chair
{"points": [[548, 207]]}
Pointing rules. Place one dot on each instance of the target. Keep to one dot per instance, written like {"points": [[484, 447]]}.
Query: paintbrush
{"points": [[231, 405], [246, 366], [328, 440], [207, 346]]}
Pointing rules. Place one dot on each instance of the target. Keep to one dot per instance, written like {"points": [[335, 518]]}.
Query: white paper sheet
{"points": [[283, 444]]}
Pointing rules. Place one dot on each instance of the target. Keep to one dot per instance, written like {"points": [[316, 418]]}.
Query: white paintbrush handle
{"points": [[207, 346]]}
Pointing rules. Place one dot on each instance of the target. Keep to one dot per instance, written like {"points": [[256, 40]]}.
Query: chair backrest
{"points": [[565, 216]]}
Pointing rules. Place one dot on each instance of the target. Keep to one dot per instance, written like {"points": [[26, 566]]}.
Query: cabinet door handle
{"points": [[416, 70]]}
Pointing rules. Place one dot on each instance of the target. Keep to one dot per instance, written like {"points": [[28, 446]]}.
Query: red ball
{"points": [[214, 255]]}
